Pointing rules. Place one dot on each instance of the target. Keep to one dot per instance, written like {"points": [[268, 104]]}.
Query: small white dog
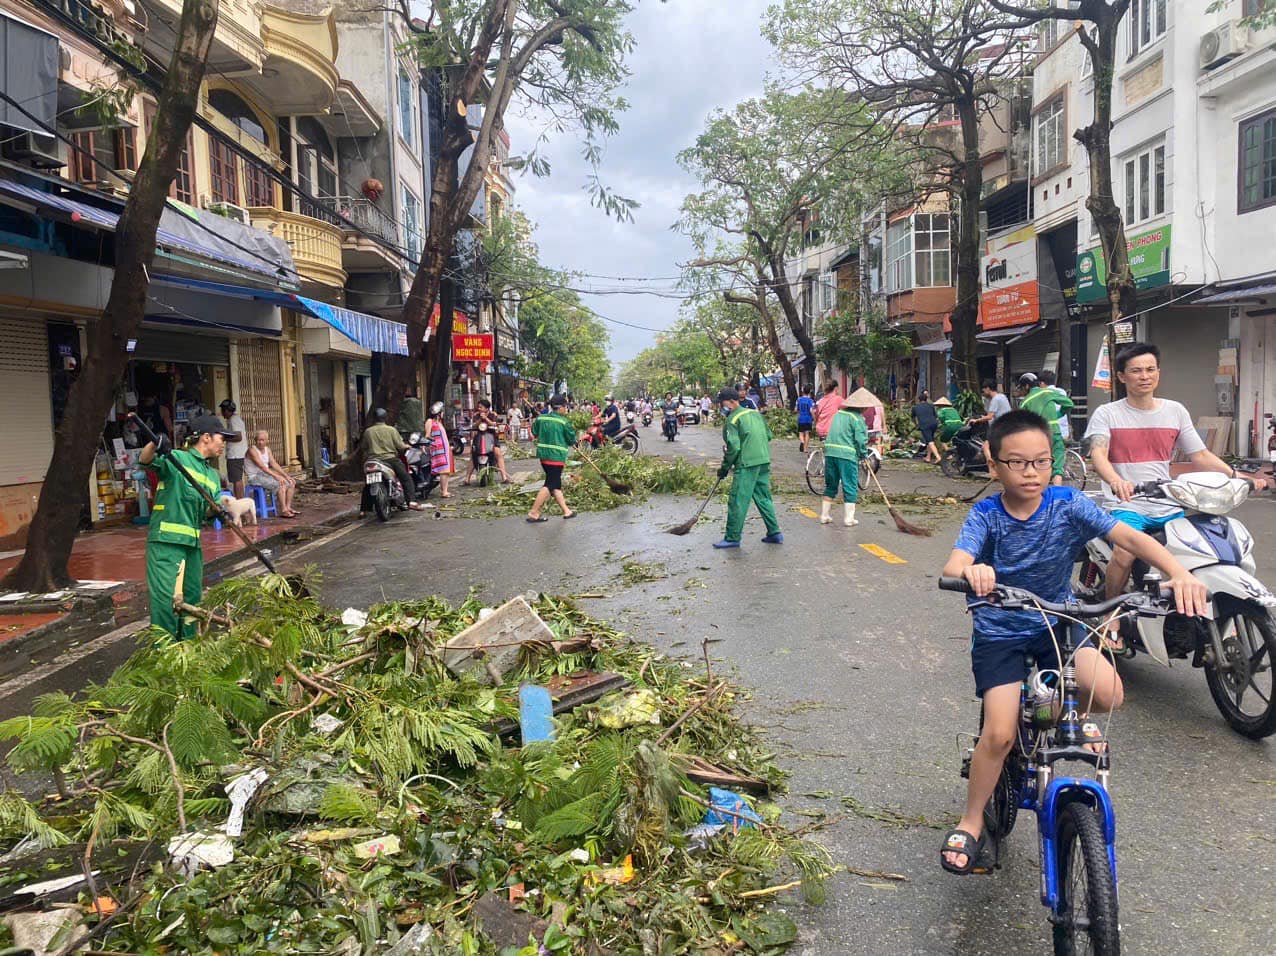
{"points": [[239, 507]]}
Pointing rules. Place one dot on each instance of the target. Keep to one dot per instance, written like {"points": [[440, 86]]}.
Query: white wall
{"points": [[1061, 197]]}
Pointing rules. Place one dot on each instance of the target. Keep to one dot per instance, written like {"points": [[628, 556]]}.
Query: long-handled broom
{"points": [[686, 526], [900, 523], [617, 487]]}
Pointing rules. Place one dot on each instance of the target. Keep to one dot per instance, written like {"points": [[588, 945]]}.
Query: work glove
{"points": [[163, 446], [723, 471]]}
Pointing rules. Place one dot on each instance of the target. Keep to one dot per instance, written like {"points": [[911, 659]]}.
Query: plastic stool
{"points": [[261, 496]]}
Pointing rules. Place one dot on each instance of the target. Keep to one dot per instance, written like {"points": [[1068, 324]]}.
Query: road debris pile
{"points": [[586, 490], [417, 778]]}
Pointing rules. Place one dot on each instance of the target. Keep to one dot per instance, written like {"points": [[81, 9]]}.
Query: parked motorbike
{"points": [[482, 453], [382, 491], [965, 456], [1236, 644], [417, 457], [670, 425]]}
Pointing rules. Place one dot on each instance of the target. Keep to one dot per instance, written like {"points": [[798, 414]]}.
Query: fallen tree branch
{"points": [[695, 707]]}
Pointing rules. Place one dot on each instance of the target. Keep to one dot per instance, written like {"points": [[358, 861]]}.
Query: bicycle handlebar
{"points": [[1016, 598]]}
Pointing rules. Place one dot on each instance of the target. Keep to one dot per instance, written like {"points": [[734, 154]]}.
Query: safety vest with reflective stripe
{"points": [[179, 510], [555, 436], [847, 437]]}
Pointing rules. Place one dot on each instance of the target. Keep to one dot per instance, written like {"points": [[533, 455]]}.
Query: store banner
{"points": [[460, 321], [473, 348], [1149, 262], [1102, 370], [1010, 295]]}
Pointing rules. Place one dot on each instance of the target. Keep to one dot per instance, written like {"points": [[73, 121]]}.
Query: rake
{"points": [[900, 523], [686, 526]]}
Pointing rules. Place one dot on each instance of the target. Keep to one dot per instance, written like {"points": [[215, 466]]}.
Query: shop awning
{"points": [[248, 250], [1255, 292], [372, 332], [1011, 335], [943, 345]]}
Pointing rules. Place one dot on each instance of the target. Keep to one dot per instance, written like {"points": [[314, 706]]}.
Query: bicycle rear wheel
{"points": [[1087, 916], [815, 471], [1075, 473]]}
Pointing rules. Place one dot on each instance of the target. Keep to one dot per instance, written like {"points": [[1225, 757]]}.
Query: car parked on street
{"points": [[688, 411]]}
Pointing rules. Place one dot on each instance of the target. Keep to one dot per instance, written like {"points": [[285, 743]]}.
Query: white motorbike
{"points": [[1236, 644]]}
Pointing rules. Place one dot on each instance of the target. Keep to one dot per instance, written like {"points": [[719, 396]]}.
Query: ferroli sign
{"points": [[473, 347], [1149, 254]]}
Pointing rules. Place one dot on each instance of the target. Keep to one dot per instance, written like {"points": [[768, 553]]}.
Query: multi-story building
{"points": [[248, 287], [1194, 173]]}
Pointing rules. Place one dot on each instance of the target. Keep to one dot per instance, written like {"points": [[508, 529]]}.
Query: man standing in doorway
{"points": [[236, 446], [748, 451], [173, 549]]}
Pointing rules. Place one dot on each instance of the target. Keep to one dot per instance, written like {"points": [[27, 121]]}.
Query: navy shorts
{"points": [[997, 661]]}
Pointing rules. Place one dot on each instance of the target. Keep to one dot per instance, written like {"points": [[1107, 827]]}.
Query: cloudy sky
{"points": [[691, 56]]}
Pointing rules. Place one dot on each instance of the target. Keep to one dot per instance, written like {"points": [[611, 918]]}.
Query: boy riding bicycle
{"points": [[1027, 537]]}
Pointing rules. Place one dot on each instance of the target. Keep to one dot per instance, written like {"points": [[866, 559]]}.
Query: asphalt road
{"points": [[861, 677]]}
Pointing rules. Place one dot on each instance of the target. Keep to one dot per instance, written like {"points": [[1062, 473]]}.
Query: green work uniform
{"points": [[748, 441], [172, 546], [846, 444], [1050, 405], [555, 437], [950, 422], [411, 416]]}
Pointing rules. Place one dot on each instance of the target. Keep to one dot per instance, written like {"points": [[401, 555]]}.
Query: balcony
{"points": [[359, 253], [315, 244], [237, 47], [298, 73]]}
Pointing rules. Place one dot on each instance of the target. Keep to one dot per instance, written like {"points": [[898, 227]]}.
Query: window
{"points": [[1146, 23], [1258, 162], [411, 225], [1051, 136], [1251, 8], [1049, 33], [407, 128], [934, 249], [99, 151], [1145, 185], [183, 187], [222, 171], [899, 256]]}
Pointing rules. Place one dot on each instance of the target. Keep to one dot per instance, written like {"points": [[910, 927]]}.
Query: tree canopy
{"points": [[566, 342]]}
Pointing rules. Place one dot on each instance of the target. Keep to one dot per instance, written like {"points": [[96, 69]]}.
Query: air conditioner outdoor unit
{"points": [[1222, 44], [228, 210], [34, 150]]}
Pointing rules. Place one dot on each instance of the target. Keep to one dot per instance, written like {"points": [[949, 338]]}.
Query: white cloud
{"points": [[690, 58]]}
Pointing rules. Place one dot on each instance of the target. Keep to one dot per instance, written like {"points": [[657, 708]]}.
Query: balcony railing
{"points": [[362, 212], [315, 242]]}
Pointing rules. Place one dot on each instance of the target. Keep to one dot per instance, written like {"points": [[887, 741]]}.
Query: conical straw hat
{"points": [[860, 398], [942, 400]]}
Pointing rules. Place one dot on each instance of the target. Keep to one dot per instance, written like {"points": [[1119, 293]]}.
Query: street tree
{"points": [[769, 170], [561, 58], [732, 329], [1100, 20], [919, 66], [51, 535], [566, 342], [860, 344]]}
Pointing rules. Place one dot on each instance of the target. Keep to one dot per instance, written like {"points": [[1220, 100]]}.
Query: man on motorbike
{"points": [[669, 411], [611, 418], [1132, 441], [382, 442]]}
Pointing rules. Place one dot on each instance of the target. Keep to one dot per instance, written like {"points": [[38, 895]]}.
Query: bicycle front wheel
{"points": [[1087, 916], [1075, 472], [815, 471]]}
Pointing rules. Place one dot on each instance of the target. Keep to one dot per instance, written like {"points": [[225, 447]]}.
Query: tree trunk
{"points": [[966, 310], [780, 283], [52, 532], [1097, 140]]}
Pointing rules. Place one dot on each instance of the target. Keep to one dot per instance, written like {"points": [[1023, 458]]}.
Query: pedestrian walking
{"points": [[442, 463], [748, 451], [845, 446], [555, 436], [927, 423], [173, 548], [236, 446], [826, 408], [805, 408]]}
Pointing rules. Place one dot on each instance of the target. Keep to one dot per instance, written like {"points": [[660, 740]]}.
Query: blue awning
{"points": [[372, 332]]}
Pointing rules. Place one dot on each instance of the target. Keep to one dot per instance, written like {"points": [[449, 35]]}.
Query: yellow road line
{"points": [[879, 552], [808, 512]]}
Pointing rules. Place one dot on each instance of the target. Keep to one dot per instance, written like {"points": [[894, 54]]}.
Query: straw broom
{"points": [[900, 523], [617, 487]]}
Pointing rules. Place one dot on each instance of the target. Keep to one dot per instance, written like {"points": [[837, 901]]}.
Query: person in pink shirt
{"points": [[826, 408]]}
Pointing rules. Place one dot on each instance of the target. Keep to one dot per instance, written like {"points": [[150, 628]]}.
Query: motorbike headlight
{"points": [[1208, 492]]}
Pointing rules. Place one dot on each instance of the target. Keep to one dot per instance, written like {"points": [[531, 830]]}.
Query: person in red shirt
{"points": [[826, 408]]}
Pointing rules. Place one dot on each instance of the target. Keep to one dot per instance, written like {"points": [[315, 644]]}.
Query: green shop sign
{"points": [[1149, 261]]}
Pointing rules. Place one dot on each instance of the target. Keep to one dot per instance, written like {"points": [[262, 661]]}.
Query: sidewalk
{"points": [[118, 556]]}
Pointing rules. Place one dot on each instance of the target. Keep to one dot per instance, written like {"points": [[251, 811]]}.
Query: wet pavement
{"points": [[860, 674]]}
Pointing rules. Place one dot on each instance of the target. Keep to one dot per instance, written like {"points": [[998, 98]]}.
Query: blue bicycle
{"points": [[1076, 825]]}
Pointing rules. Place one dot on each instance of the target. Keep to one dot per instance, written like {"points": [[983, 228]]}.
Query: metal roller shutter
{"points": [[260, 398], [166, 345], [1029, 353], [25, 397]]}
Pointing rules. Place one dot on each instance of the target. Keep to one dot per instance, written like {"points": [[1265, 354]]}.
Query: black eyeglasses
{"points": [[1022, 464]]}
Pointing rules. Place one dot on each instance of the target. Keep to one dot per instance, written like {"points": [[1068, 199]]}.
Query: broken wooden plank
{"points": [[489, 648], [701, 771]]}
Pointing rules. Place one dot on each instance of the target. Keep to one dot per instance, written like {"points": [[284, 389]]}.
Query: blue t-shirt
{"points": [[1036, 554], [804, 406]]}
